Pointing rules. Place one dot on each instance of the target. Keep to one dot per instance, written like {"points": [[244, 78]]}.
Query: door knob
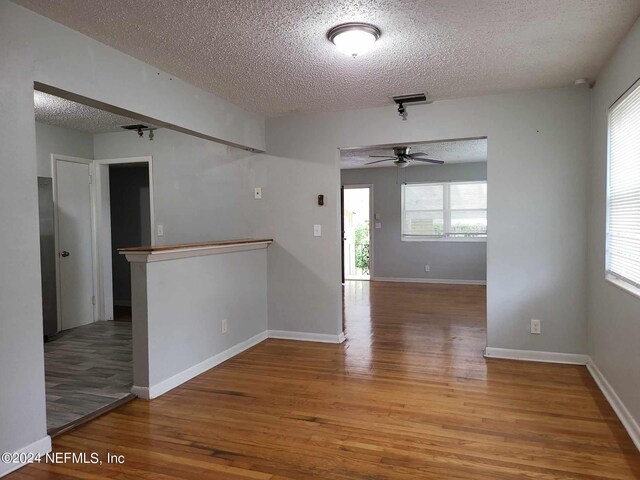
{"points": [[64, 253]]}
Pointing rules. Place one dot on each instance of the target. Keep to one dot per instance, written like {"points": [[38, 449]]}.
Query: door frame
{"points": [[371, 224], [102, 232], [55, 158]]}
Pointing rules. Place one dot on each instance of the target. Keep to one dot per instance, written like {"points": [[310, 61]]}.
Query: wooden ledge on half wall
{"points": [[184, 250]]}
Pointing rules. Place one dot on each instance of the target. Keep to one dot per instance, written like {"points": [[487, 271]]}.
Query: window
{"points": [[623, 195], [449, 211]]}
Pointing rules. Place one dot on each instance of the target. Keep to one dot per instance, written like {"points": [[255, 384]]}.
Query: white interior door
{"points": [[74, 243]]}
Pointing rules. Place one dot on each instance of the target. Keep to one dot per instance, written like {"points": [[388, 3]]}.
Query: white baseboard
{"points": [[447, 281], [534, 356], [170, 383], [627, 420], [158, 389], [306, 337], [42, 447], [629, 423]]}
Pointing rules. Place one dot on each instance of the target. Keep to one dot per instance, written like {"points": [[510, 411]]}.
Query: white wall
{"points": [[393, 258], [614, 314], [37, 49], [538, 159], [64, 141], [203, 191]]}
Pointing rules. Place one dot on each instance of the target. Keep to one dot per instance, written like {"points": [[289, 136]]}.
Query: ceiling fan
{"points": [[403, 157]]}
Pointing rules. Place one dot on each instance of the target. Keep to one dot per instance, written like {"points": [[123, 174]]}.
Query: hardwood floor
{"points": [[407, 396]]}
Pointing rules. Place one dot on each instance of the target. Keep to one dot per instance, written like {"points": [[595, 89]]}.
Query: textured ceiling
{"points": [[455, 151], [58, 111], [273, 57]]}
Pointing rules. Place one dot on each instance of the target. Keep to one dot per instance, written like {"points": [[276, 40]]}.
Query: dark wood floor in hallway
{"points": [[407, 396]]}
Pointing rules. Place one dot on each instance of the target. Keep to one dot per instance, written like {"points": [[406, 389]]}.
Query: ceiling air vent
{"points": [[402, 100], [134, 127], [411, 98]]}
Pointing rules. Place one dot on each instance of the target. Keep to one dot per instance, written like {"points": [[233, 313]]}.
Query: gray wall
{"points": [[203, 191], [130, 222], [189, 298], [394, 258], [538, 167], [64, 141], [614, 314], [37, 49]]}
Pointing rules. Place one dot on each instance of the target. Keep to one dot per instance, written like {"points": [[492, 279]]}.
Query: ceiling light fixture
{"points": [[354, 38]]}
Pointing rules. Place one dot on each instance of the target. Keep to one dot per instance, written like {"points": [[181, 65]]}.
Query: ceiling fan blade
{"points": [[428, 160], [378, 161], [379, 156], [418, 153]]}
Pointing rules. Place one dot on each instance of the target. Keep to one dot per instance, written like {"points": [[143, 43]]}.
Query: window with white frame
{"points": [[455, 210], [623, 193]]}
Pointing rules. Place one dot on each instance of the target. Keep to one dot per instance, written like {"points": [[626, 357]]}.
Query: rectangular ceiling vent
{"points": [[134, 127], [410, 98]]}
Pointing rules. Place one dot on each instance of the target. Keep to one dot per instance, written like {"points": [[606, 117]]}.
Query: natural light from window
{"points": [[623, 196], [444, 211]]}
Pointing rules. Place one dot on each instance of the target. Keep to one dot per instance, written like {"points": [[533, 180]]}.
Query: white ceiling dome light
{"points": [[354, 38]]}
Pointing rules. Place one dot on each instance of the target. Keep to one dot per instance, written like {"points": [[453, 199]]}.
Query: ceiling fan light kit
{"points": [[402, 157], [354, 38]]}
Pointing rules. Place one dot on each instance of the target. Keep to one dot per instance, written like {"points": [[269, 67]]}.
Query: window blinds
{"points": [[623, 199], [444, 210]]}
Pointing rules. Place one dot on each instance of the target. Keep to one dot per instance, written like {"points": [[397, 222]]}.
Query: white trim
{"points": [[619, 283], [449, 281], [630, 424], [627, 420], [535, 356], [446, 213], [170, 383], [41, 447], [102, 239], [306, 336], [134, 256], [418, 238], [371, 224]]}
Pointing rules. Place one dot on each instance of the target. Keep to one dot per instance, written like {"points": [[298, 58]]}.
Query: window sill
{"points": [[445, 239], [615, 281]]}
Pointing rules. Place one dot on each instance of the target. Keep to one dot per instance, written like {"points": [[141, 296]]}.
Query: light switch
{"points": [[317, 230], [160, 230], [378, 225], [257, 193], [377, 216]]}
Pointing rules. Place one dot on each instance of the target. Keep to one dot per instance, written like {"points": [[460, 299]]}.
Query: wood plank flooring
{"points": [[407, 396], [86, 369]]}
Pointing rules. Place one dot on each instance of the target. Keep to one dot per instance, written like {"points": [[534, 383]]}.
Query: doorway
{"points": [[357, 238], [124, 218], [130, 227]]}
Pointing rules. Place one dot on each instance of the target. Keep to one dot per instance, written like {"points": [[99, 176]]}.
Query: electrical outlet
{"points": [[536, 328], [427, 268], [257, 193], [317, 230], [161, 230], [224, 326]]}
